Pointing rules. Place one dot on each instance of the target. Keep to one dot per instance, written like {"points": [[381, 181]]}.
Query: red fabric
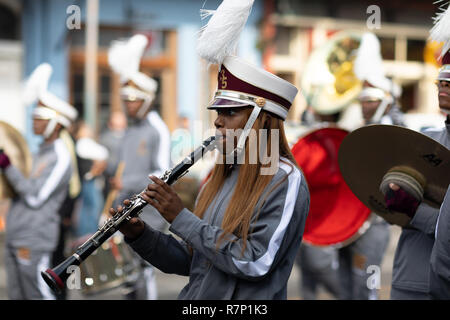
{"points": [[227, 81], [335, 213]]}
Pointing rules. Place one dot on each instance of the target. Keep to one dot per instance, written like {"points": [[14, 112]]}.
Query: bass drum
{"points": [[336, 216], [112, 265]]}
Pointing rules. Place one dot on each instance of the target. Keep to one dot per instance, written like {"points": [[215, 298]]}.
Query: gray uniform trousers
{"points": [[319, 267], [356, 258], [24, 281]]}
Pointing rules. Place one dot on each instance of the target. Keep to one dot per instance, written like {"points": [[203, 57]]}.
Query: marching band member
{"points": [[32, 228], [439, 287], [242, 238], [145, 145], [377, 100], [410, 279]]}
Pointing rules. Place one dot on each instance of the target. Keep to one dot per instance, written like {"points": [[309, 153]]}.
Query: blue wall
{"points": [[45, 33]]}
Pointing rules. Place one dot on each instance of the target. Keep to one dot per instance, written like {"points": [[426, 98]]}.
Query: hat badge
{"points": [[260, 101]]}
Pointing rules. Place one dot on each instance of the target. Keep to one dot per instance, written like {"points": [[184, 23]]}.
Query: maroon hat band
{"points": [[227, 81]]}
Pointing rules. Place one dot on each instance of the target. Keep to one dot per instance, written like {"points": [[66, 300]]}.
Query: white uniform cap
{"points": [[50, 106]]}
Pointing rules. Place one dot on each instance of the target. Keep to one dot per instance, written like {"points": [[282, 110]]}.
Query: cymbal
{"points": [[15, 146], [368, 153]]}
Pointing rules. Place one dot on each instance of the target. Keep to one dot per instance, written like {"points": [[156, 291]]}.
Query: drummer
{"points": [[410, 279], [377, 100]]}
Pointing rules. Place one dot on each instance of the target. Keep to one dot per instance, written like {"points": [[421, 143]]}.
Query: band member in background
{"points": [[439, 278], [377, 100], [319, 266], [145, 146], [242, 238], [68, 206], [32, 227], [111, 138], [412, 277], [92, 162]]}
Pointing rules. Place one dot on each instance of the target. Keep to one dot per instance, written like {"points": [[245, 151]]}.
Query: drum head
{"points": [[336, 216]]}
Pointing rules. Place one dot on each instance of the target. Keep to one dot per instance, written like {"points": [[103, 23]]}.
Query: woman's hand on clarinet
{"points": [[163, 198], [131, 229]]}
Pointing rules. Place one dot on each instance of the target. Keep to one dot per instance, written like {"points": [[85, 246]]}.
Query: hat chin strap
{"points": [[446, 112], [144, 108], [238, 151], [381, 109], [50, 128]]}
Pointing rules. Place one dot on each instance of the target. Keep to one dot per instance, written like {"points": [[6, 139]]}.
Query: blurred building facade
{"points": [[280, 35], [294, 28], [39, 32]]}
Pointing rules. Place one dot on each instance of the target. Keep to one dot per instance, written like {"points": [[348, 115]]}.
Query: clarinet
{"points": [[57, 277]]}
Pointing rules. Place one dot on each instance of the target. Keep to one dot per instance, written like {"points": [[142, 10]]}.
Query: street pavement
{"points": [[170, 285]]}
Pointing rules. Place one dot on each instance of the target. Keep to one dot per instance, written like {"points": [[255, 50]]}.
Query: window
{"points": [[415, 50]]}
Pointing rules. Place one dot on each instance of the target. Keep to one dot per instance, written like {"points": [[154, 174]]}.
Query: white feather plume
{"points": [[219, 37], [441, 29], [368, 58], [368, 65], [37, 83], [124, 57]]}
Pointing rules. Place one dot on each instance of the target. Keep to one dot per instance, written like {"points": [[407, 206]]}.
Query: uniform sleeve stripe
{"points": [[262, 265], [62, 163]]}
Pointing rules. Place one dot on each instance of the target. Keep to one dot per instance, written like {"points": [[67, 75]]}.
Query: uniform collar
{"points": [[47, 146]]}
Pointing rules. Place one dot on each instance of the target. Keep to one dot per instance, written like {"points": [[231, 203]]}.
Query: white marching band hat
{"points": [[242, 84], [124, 57], [49, 106], [239, 82]]}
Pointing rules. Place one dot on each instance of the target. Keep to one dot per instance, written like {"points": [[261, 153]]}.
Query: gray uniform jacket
{"points": [[412, 256], [33, 219], [262, 272], [145, 150], [440, 256]]}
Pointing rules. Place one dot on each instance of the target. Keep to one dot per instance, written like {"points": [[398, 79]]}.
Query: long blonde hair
{"points": [[249, 186]]}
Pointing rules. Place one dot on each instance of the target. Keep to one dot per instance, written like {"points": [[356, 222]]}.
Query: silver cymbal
{"points": [[368, 153]]}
